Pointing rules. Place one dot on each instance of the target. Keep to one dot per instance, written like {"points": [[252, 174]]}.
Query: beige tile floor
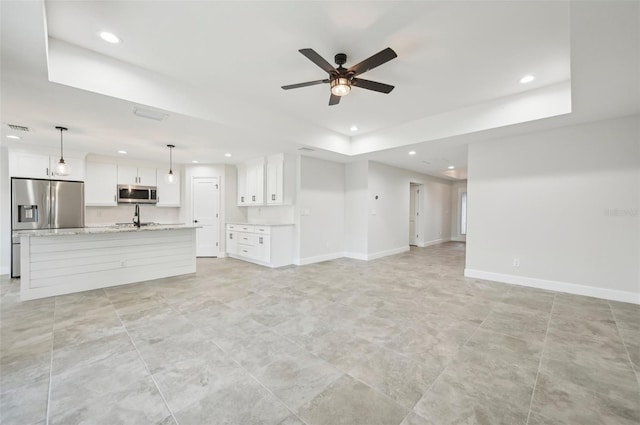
{"points": [[401, 340]]}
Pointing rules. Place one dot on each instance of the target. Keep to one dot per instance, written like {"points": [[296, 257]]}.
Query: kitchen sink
{"points": [[133, 225]]}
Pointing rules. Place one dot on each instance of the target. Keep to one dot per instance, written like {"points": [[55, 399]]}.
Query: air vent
{"points": [[150, 114], [305, 149], [18, 127]]}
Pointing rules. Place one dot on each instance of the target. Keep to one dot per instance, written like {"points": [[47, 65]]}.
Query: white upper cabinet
{"points": [[280, 183], [101, 185], [242, 185], [22, 164], [251, 183], [270, 182], [255, 182], [136, 176], [168, 194]]}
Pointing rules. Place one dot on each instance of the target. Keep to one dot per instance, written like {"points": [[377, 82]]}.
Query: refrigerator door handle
{"points": [[51, 211]]}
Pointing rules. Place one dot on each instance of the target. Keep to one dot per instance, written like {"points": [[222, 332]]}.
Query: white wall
{"points": [[321, 204], [456, 191], [5, 212], [565, 203], [379, 227], [356, 209], [388, 215]]}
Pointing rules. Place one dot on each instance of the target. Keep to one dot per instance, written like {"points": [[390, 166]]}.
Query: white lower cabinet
{"points": [[267, 245]]}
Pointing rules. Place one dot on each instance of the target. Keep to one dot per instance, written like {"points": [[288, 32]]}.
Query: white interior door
{"points": [[414, 212], [205, 214]]}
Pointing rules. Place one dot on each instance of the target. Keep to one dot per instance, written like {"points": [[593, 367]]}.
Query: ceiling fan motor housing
{"points": [[341, 59]]}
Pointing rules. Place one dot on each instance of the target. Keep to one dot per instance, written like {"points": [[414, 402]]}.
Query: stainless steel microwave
{"points": [[133, 194]]}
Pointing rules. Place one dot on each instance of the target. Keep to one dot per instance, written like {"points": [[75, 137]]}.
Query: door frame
{"points": [[192, 208], [418, 208]]}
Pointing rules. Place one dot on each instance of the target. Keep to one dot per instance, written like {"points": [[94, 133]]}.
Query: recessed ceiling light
{"points": [[109, 37], [354, 128], [412, 152], [451, 167], [11, 136], [123, 152], [527, 79], [194, 161], [228, 155]]}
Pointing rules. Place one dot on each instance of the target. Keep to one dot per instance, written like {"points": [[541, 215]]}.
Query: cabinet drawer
{"points": [[248, 251], [244, 227], [232, 226], [250, 239], [263, 230]]}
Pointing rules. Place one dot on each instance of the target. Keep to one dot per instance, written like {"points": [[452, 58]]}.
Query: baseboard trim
{"points": [[571, 288], [5, 270], [317, 259], [356, 256], [388, 252], [433, 242]]}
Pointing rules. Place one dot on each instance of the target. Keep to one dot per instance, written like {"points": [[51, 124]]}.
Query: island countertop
{"points": [[101, 230]]}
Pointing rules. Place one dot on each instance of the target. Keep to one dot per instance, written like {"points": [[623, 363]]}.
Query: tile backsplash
{"points": [[124, 214]]}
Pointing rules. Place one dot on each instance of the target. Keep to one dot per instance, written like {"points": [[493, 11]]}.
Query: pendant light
{"points": [[170, 177], [62, 168]]}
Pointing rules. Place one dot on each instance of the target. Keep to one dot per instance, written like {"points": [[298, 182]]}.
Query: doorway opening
{"points": [[414, 213]]}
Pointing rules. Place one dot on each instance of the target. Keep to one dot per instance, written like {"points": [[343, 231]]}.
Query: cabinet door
{"points": [[259, 191], [275, 182], [127, 175], [77, 169], [232, 242], [168, 194], [264, 248], [242, 185], [101, 183], [147, 177], [29, 165], [251, 184]]}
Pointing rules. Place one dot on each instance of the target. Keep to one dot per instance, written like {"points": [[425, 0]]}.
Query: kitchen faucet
{"points": [[136, 216]]}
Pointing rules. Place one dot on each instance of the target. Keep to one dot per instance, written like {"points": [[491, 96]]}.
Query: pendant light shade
{"points": [[62, 168], [170, 177]]}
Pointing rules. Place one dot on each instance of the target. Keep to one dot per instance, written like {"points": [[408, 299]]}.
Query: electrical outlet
{"points": [[516, 262]]}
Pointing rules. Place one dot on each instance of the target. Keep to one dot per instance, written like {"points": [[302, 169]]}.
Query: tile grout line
{"points": [[449, 363], [146, 366], [50, 388], [626, 349], [544, 346]]}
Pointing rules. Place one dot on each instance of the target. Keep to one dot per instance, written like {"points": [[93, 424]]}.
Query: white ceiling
{"points": [[216, 68]]}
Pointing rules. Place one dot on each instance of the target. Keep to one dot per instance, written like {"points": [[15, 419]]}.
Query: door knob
{"points": [[195, 221]]}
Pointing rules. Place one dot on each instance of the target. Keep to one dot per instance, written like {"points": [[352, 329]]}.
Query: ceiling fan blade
{"points": [[334, 100], [376, 60], [318, 60], [308, 83], [372, 85]]}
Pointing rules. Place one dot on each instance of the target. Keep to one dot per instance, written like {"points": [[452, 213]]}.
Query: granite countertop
{"points": [[102, 229], [259, 224]]}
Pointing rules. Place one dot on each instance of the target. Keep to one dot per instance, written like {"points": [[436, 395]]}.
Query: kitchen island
{"points": [[63, 261]]}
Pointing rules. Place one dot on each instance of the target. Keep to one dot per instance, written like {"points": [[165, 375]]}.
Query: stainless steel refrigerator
{"points": [[43, 204]]}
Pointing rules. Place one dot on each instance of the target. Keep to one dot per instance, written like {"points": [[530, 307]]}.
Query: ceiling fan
{"points": [[341, 79]]}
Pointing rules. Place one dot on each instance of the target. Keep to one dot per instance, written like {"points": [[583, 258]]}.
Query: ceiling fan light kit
{"points": [[341, 79]]}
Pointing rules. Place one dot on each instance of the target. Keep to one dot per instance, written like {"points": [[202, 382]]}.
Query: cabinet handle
{"points": [[47, 171], [273, 197], [253, 198], [244, 250], [260, 241], [242, 199], [230, 235]]}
